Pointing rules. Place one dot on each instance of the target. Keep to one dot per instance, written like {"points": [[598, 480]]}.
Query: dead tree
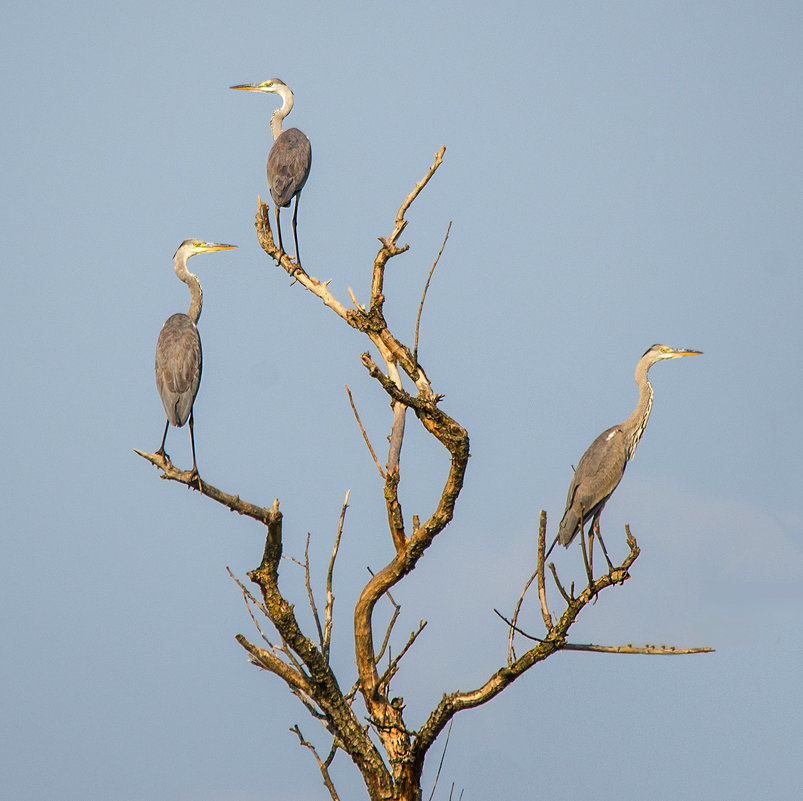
{"points": [[388, 753]]}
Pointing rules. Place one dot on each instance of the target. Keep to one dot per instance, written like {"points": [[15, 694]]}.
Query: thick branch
{"points": [[455, 439], [265, 659], [324, 687]]}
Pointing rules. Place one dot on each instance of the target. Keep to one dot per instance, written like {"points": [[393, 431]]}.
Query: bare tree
{"points": [[364, 720]]}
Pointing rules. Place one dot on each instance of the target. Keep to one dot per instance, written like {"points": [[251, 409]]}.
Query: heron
{"points": [[602, 466], [178, 349], [290, 156]]}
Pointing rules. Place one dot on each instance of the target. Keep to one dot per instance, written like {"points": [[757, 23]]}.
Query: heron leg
{"points": [[586, 562], [551, 547], [595, 527], [279, 229], [161, 450], [295, 233], [192, 442]]}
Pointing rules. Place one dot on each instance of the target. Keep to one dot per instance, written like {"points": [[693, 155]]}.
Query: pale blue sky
{"points": [[618, 174]]}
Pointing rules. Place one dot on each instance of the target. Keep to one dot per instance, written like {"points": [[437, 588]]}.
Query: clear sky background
{"points": [[618, 174]]}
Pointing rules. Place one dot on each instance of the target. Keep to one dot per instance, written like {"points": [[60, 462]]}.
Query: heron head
{"points": [[191, 247], [274, 85], [658, 352]]}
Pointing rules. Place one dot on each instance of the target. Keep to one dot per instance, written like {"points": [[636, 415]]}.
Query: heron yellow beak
{"points": [[210, 246], [687, 353], [249, 87]]}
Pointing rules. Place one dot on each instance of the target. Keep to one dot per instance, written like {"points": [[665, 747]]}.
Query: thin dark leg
{"points": [[586, 563], [554, 543], [295, 234], [279, 229], [192, 442], [595, 526], [161, 450]]}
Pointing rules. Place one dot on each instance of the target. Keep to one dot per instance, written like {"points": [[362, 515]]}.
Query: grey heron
{"points": [[290, 156], [602, 466], [178, 349]]}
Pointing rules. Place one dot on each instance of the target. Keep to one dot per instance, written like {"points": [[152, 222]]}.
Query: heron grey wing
{"points": [[597, 475], [289, 163], [571, 518], [600, 469], [179, 362]]}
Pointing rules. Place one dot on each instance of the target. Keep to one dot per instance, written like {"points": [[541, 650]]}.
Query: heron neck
{"points": [[276, 124], [280, 113], [635, 424], [196, 293]]}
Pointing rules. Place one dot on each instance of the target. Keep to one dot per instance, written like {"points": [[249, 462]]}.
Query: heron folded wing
{"points": [[178, 367], [598, 473], [289, 163]]}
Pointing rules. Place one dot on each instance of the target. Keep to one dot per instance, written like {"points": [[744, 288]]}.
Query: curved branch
{"points": [[455, 438]]}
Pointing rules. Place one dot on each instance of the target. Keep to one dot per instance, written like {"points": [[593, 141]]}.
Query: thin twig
{"points": [[393, 665], [655, 650], [424, 295], [510, 652], [514, 627], [394, 617], [364, 435], [660, 650], [389, 247], [566, 597], [541, 558], [330, 598], [282, 649], [247, 594], [323, 766], [249, 599], [309, 705], [310, 594], [357, 304], [418, 187], [443, 756]]}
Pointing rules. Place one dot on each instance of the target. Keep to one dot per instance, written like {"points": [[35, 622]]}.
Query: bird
{"points": [[290, 156], [178, 349], [602, 466]]}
